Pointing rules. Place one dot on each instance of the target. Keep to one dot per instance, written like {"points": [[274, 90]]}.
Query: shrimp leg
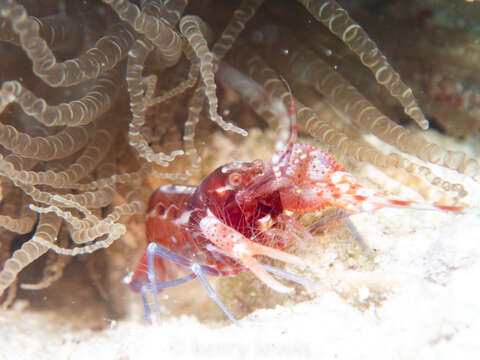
{"points": [[198, 271]]}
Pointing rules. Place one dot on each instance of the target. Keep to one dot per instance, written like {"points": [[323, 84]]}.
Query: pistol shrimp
{"points": [[241, 211]]}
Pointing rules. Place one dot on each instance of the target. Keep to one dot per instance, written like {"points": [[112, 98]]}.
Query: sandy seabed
{"points": [[432, 313]]}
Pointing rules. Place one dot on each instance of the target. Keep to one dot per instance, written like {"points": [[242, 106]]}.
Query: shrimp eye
{"points": [[235, 179]]}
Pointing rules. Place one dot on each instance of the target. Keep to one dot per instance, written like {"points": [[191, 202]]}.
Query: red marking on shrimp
{"points": [[448, 208], [400, 202], [360, 197]]}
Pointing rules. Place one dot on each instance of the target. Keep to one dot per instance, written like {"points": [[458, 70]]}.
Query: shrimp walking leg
{"points": [[341, 214], [158, 287], [198, 271]]}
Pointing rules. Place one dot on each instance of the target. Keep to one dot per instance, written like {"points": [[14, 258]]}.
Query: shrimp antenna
{"points": [[293, 114], [287, 150]]}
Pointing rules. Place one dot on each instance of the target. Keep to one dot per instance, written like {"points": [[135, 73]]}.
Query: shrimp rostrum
{"points": [[245, 211]]}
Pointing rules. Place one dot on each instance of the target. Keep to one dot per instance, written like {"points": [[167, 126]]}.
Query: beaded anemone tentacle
{"points": [[97, 96]]}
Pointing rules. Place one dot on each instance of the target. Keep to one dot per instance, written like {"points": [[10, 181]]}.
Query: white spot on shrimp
{"points": [[182, 219], [240, 249], [275, 158], [343, 188], [128, 278], [337, 177], [365, 192], [369, 207], [231, 166], [223, 189]]}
